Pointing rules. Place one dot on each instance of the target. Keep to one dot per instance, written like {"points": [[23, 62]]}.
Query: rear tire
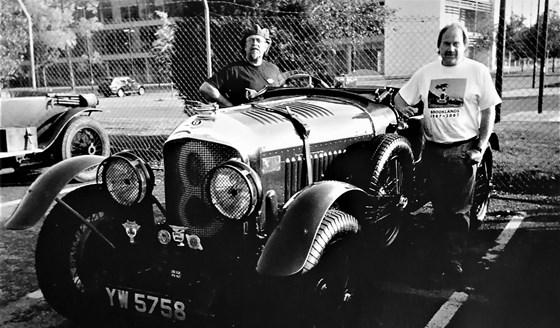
{"points": [[84, 136], [141, 91], [384, 169], [482, 190]]}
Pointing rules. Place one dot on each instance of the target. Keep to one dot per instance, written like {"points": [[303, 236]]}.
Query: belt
{"points": [[452, 144]]}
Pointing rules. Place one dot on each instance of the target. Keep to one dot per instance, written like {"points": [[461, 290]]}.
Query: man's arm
{"points": [[212, 94], [487, 119], [486, 127], [403, 107]]}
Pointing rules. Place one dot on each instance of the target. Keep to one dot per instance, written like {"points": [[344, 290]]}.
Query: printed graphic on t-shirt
{"points": [[446, 97]]}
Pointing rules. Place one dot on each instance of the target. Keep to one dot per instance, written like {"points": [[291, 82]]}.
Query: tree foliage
{"points": [[56, 27], [350, 19], [163, 48], [14, 40], [521, 40]]}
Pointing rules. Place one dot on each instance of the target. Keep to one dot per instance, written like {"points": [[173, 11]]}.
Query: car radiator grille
{"points": [[294, 178], [186, 165]]}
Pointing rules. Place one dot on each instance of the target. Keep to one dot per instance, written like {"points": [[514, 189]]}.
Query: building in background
{"points": [[411, 39]]}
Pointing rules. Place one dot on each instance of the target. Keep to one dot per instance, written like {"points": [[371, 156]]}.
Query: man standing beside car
{"points": [[240, 81], [457, 130]]}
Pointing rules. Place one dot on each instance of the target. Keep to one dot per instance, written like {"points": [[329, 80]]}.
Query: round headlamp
{"points": [[126, 178], [233, 189]]}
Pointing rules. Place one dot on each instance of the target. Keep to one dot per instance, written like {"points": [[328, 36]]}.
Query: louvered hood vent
{"points": [[303, 110]]}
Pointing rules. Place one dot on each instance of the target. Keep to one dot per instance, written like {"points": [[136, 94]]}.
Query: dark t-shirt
{"points": [[235, 78]]}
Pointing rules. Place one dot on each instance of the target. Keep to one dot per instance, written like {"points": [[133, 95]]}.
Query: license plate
{"points": [[145, 303]]}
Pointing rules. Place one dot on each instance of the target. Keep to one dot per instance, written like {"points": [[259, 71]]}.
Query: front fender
{"points": [[287, 248], [44, 190], [48, 137]]}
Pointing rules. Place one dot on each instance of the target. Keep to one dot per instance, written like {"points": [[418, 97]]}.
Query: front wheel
{"points": [[322, 294], [66, 275], [120, 93], [84, 136]]}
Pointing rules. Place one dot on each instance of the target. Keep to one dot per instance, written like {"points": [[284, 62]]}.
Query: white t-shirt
{"points": [[453, 98]]}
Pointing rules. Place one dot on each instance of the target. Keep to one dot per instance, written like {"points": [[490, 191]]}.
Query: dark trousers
{"points": [[451, 179]]}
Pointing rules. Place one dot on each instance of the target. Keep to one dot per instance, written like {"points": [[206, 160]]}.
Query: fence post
{"points": [[208, 44], [500, 55], [542, 54]]}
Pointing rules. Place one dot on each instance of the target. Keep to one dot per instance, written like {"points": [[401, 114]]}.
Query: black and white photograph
{"points": [[279, 164]]}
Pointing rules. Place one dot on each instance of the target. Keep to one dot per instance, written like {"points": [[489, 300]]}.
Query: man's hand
{"points": [[403, 107], [250, 93], [474, 156], [408, 111]]}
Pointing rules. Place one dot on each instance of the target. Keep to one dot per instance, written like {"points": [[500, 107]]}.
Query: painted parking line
{"points": [[457, 299]]}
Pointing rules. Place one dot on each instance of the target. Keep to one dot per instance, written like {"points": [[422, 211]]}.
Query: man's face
{"points": [[255, 47], [452, 47]]}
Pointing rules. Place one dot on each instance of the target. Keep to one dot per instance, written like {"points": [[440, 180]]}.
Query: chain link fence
{"points": [[528, 161]]}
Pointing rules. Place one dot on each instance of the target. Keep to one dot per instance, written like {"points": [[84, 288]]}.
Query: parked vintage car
{"points": [[120, 86], [39, 129], [272, 213]]}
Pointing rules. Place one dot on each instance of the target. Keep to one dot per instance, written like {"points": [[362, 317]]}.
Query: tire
{"points": [[120, 93], [65, 272], [84, 136], [141, 91], [482, 190], [384, 169], [323, 294]]}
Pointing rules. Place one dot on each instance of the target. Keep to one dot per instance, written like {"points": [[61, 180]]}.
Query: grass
{"points": [[529, 159]]}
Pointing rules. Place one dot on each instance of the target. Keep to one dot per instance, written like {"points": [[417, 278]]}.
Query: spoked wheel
{"points": [[71, 261], [323, 295], [84, 136], [390, 183], [482, 190], [384, 169]]}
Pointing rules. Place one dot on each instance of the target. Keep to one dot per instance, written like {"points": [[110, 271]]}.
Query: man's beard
{"points": [[254, 55]]}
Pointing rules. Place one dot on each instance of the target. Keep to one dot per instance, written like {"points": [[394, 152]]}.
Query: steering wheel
{"points": [[305, 80]]}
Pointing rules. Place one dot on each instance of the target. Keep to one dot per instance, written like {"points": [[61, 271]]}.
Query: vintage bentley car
{"points": [[39, 129], [271, 210]]}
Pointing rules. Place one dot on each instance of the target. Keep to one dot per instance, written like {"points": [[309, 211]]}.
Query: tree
{"points": [[162, 47], [85, 27], [350, 19], [55, 32], [553, 34], [14, 41], [519, 37]]}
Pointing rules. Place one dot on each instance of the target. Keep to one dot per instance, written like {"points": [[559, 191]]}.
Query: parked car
{"points": [[39, 129], [120, 86], [273, 213]]}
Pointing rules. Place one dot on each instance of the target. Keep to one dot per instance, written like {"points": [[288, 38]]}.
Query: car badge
{"points": [[194, 242], [270, 81], [131, 229], [164, 237], [178, 234]]}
